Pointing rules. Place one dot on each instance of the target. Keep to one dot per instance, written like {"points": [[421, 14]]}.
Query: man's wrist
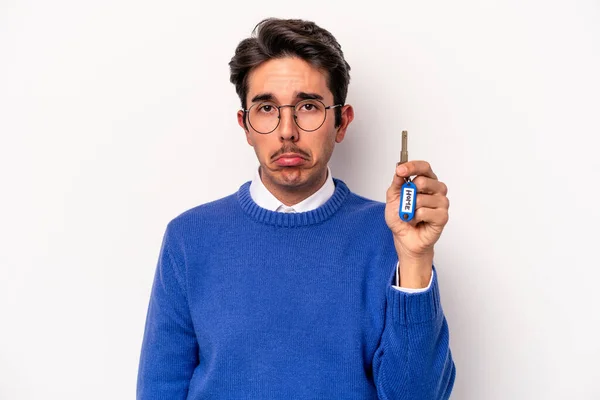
{"points": [[415, 272]]}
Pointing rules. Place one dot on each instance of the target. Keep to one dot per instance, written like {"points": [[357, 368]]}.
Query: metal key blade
{"points": [[404, 152]]}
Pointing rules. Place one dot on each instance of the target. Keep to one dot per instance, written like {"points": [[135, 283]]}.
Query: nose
{"points": [[288, 130]]}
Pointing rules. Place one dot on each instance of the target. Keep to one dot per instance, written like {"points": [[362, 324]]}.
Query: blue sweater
{"points": [[249, 303]]}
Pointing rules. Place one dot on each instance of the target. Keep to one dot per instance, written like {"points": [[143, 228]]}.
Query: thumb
{"points": [[393, 192]]}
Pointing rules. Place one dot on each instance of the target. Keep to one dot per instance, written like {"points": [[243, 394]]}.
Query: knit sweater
{"points": [[248, 303]]}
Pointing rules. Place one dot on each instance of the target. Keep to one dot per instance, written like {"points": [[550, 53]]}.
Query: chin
{"points": [[290, 176]]}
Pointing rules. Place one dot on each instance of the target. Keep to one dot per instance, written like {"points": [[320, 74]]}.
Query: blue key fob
{"points": [[408, 200]]}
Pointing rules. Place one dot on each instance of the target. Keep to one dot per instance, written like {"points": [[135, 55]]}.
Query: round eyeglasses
{"points": [[309, 115]]}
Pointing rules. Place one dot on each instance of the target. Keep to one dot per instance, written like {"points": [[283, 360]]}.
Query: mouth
{"points": [[290, 160]]}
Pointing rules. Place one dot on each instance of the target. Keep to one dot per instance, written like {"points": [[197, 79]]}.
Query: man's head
{"points": [[285, 62]]}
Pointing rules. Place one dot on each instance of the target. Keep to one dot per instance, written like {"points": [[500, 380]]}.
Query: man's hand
{"points": [[414, 240]]}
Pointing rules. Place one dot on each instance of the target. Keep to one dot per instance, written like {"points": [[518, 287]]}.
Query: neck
{"points": [[293, 195]]}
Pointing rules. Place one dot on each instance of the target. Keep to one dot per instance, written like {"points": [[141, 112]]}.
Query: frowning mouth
{"points": [[290, 160]]}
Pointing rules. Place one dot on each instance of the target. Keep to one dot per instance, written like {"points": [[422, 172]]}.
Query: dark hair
{"points": [[277, 38]]}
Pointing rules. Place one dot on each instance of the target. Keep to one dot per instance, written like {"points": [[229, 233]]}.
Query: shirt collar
{"points": [[265, 199]]}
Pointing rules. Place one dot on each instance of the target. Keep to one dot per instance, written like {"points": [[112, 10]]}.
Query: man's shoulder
{"points": [[363, 204], [359, 202], [366, 216], [364, 212], [214, 210]]}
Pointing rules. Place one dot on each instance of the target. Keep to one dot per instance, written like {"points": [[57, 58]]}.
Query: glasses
{"points": [[309, 115]]}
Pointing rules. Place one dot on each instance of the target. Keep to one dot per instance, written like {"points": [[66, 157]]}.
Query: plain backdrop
{"points": [[116, 116]]}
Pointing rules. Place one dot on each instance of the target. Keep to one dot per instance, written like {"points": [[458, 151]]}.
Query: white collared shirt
{"points": [[265, 199]]}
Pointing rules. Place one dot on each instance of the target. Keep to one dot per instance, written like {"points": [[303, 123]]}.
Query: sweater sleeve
{"points": [[413, 360], [169, 351]]}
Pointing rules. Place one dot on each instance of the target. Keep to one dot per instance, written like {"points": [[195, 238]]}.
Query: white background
{"points": [[116, 116]]}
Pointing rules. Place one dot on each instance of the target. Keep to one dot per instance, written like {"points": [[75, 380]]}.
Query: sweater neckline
{"points": [[291, 220]]}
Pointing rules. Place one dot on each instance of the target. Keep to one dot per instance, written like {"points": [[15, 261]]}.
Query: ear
{"points": [[347, 117], [240, 118]]}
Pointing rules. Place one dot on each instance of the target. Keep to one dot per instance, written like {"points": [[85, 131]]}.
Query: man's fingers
{"points": [[431, 201], [430, 186], [416, 167], [433, 216], [394, 190], [426, 180]]}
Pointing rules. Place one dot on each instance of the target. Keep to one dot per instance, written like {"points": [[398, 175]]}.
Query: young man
{"points": [[294, 287]]}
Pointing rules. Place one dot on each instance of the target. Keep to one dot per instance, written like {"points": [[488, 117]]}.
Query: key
{"points": [[404, 152], [408, 192]]}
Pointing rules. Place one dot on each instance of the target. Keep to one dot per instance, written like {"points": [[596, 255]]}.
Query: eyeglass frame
{"points": [[247, 112]]}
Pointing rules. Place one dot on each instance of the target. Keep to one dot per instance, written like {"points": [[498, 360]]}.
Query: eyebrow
{"points": [[299, 96]]}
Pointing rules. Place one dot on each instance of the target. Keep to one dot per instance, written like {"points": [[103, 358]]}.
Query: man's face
{"points": [[287, 81]]}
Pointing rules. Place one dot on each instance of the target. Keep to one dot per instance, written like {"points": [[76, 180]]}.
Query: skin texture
{"points": [[284, 79]]}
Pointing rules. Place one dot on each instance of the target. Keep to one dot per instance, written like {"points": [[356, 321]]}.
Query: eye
{"points": [[266, 107], [309, 107]]}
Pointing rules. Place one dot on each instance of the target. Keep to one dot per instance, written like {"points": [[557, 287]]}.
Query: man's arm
{"points": [[169, 351], [413, 360], [407, 289]]}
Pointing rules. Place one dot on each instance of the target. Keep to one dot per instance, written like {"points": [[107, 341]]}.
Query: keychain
{"points": [[408, 192]]}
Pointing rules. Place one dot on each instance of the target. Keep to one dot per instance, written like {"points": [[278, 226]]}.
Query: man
{"points": [[294, 287]]}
